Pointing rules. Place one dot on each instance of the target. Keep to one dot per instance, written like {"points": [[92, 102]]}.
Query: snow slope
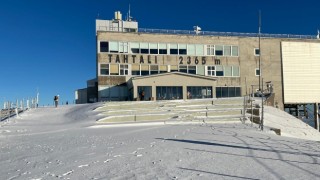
{"points": [[67, 143]]}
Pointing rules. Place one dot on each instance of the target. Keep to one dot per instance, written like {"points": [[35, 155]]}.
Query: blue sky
{"points": [[49, 45]]}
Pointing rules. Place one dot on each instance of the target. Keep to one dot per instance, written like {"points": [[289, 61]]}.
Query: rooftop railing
{"points": [[232, 34]]}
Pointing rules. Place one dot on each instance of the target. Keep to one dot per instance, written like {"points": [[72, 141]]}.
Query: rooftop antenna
{"points": [[129, 18]]}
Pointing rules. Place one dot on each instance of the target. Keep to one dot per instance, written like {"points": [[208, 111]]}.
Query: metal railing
{"points": [[233, 34]]}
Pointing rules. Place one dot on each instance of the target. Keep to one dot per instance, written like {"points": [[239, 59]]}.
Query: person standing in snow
{"points": [[56, 100]]}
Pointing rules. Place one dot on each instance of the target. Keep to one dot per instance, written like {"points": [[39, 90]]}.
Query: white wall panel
{"points": [[301, 72]]}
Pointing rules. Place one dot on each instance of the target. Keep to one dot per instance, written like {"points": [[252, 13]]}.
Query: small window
{"points": [[104, 46], [257, 72], [135, 69], [256, 51]]}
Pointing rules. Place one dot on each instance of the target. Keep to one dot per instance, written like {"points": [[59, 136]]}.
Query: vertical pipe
{"points": [[262, 109]]}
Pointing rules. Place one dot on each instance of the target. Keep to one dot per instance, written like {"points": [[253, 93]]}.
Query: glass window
{"points": [[235, 51], [199, 50], [228, 92], [162, 48], [134, 46], [173, 68], [235, 71], [192, 69], [227, 50], [211, 71], [182, 49], [153, 48], [210, 49], [218, 50], [183, 69], [135, 69], [257, 72], [173, 48], [154, 69], [144, 48], [219, 71], [256, 51], [199, 92], [163, 69], [104, 69], [104, 46], [114, 69], [169, 92], [114, 47], [228, 71], [191, 49], [123, 47], [124, 70], [144, 70]]}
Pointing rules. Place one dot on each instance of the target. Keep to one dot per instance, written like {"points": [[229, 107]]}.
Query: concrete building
{"points": [[149, 64]]}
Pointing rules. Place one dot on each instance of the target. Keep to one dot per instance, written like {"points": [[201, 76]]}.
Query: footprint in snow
{"points": [[108, 160]]}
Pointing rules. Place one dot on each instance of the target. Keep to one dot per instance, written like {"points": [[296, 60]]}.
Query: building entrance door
{"points": [[144, 93]]}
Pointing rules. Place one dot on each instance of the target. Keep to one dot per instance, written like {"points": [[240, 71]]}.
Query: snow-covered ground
{"points": [[68, 143]]}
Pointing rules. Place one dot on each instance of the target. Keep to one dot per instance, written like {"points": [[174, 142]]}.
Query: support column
{"points": [[316, 117]]}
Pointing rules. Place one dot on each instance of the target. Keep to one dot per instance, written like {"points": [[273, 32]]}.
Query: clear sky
{"points": [[49, 45]]}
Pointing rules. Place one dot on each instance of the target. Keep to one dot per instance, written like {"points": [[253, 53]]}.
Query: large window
{"points": [[227, 50], [219, 71], [169, 92], [223, 92], [235, 51], [199, 92], [144, 70], [188, 69], [191, 49], [104, 69]]}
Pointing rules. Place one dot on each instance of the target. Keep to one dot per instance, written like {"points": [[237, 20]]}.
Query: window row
{"points": [[224, 92], [168, 48], [227, 71], [143, 70]]}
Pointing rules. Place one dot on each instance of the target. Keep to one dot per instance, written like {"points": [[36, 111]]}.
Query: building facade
{"points": [[144, 64]]}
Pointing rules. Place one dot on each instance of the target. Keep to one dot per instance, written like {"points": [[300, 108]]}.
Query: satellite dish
{"points": [[197, 29]]}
